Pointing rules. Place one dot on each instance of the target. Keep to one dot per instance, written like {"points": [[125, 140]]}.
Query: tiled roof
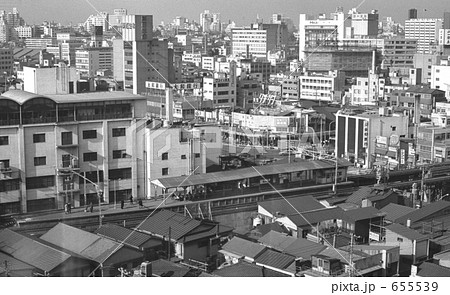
{"points": [[30, 251], [316, 216], [15, 266], [424, 212], [129, 237], [81, 242], [302, 248], [243, 247], [342, 255], [160, 222], [275, 259], [361, 214], [444, 255], [276, 240], [265, 228], [394, 211], [427, 269], [405, 232], [362, 193], [245, 269], [301, 204]]}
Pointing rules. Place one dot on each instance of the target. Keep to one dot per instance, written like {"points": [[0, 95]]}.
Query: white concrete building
{"points": [[440, 77], [221, 89], [47, 142], [89, 60], [49, 81], [425, 31], [249, 40], [368, 91]]}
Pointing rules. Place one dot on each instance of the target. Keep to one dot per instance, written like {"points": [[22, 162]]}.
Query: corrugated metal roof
{"points": [[428, 269], [292, 205], [276, 240], [81, 242], [342, 255], [424, 212], [245, 269], [243, 247], [405, 232], [256, 171], [394, 211], [275, 259], [30, 251], [14, 265], [129, 237], [316, 216], [361, 214], [160, 222]]}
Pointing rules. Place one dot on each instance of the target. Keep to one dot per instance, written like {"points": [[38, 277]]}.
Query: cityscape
{"points": [[291, 145]]}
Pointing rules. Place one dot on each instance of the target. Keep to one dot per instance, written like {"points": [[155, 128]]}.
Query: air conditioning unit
{"points": [[146, 269]]}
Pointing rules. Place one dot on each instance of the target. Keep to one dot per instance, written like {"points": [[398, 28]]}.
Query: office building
{"points": [[363, 25], [425, 31], [220, 89], [412, 13], [89, 60]]}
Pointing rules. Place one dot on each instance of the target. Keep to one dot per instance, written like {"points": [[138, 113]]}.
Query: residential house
{"points": [[194, 240], [12, 267], [310, 224], [238, 249], [443, 258], [359, 221], [45, 260], [414, 247], [147, 244], [428, 213], [102, 252], [374, 196]]}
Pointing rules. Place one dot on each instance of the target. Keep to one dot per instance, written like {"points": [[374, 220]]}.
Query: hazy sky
{"points": [[243, 12]]}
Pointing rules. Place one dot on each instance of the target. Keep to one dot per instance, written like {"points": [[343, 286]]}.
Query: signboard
{"points": [[402, 156], [155, 85], [374, 236], [381, 140]]}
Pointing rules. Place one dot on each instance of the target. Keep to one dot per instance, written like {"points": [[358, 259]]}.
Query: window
{"points": [[66, 138], [40, 137], [117, 132], [183, 157], [394, 128], [90, 157], [40, 182], [399, 239], [124, 173], [165, 156], [4, 164], [197, 155], [4, 140], [119, 154], [165, 171], [40, 161], [87, 134]]}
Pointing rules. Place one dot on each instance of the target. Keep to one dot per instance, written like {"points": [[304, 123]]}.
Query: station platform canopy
{"points": [[245, 173]]}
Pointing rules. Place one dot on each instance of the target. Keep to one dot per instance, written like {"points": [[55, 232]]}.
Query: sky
{"points": [[243, 12]]}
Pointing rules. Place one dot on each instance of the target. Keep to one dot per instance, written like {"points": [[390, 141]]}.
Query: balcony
{"points": [[67, 167], [9, 173]]}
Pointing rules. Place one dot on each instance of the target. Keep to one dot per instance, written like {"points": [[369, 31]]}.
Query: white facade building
{"points": [[425, 31]]}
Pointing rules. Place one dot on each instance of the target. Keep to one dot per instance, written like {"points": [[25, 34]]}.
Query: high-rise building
{"points": [[412, 13], [115, 20], [314, 33], [364, 25], [210, 21], [138, 57], [100, 19], [425, 31], [8, 22], [89, 60], [446, 23]]}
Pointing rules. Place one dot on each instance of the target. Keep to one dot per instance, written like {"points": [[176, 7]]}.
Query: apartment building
{"points": [[221, 89], [440, 77], [321, 87], [425, 31], [48, 142]]}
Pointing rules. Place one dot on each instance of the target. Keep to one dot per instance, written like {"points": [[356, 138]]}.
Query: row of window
{"points": [[165, 156], [67, 136]]}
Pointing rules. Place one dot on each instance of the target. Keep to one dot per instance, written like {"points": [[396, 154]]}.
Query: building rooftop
{"points": [[22, 97], [291, 205], [276, 240], [127, 236], [275, 259], [428, 269], [30, 251], [394, 211], [405, 232], [424, 212], [316, 216], [243, 247], [245, 269]]}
